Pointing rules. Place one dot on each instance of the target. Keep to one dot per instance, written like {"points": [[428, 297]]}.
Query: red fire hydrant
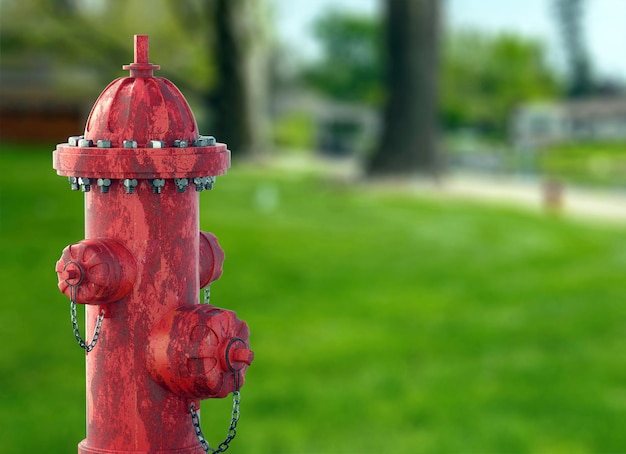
{"points": [[156, 351]]}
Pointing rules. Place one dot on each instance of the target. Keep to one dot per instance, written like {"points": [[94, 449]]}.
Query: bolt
{"points": [[181, 143], [181, 184], [201, 141], [85, 184], [129, 144], [157, 185], [104, 144], [104, 184], [73, 183], [72, 273], [157, 144], [212, 141], [85, 143], [73, 140], [210, 181], [199, 182], [130, 185]]}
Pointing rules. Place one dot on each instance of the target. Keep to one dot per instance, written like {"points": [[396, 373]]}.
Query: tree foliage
{"points": [[97, 36], [350, 68], [483, 77], [212, 49]]}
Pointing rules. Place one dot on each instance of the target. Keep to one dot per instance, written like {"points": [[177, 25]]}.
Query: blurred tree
{"points": [[213, 50], [480, 88], [67, 7], [408, 142], [95, 37], [350, 68], [239, 97], [569, 15], [237, 40]]}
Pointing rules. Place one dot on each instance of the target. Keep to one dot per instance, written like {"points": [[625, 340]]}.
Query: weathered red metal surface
{"points": [[141, 127], [121, 163], [199, 351], [142, 264], [126, 410], [96, 271], [141, 107], [211, 259]]}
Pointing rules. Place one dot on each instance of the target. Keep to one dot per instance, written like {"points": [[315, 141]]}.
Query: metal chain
{"points": [[232, 429], [96, 331], [234, 418]]}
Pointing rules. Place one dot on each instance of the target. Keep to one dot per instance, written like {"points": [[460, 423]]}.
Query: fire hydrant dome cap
{"points": [[141, 127], [141, 109]]}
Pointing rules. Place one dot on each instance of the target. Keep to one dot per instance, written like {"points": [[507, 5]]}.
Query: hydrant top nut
{"points": [[72, 273]]}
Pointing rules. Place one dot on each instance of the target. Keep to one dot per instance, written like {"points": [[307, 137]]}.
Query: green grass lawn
{"points": [[381, 323]]}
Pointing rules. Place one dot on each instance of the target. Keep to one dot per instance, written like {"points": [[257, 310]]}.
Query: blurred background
{"points": [[424, 223]]}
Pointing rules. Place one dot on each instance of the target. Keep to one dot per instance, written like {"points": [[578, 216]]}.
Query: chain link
{"points": [[207, 294], [96, 331], [232, 429]]}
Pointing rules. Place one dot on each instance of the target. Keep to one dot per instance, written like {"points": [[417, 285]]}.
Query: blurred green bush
{"points": [[589, 163]]}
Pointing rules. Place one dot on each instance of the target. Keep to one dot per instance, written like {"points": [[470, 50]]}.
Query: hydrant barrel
{"points": [[123, 402], [142, 165]]}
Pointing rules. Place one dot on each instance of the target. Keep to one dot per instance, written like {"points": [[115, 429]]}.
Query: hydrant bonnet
{"points": [[141, 126]]}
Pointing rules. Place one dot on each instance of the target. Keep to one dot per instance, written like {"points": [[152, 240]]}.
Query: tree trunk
{"points": [[570, 15], [408, 143], [239, 99]]}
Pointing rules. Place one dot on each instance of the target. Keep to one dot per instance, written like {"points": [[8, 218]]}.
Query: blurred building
{"points": [[343, 129], [584, 120], [36, 107]]}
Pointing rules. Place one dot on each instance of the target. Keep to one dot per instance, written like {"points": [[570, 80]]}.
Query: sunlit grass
{"points": [[381, 323], [597, 164]]}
